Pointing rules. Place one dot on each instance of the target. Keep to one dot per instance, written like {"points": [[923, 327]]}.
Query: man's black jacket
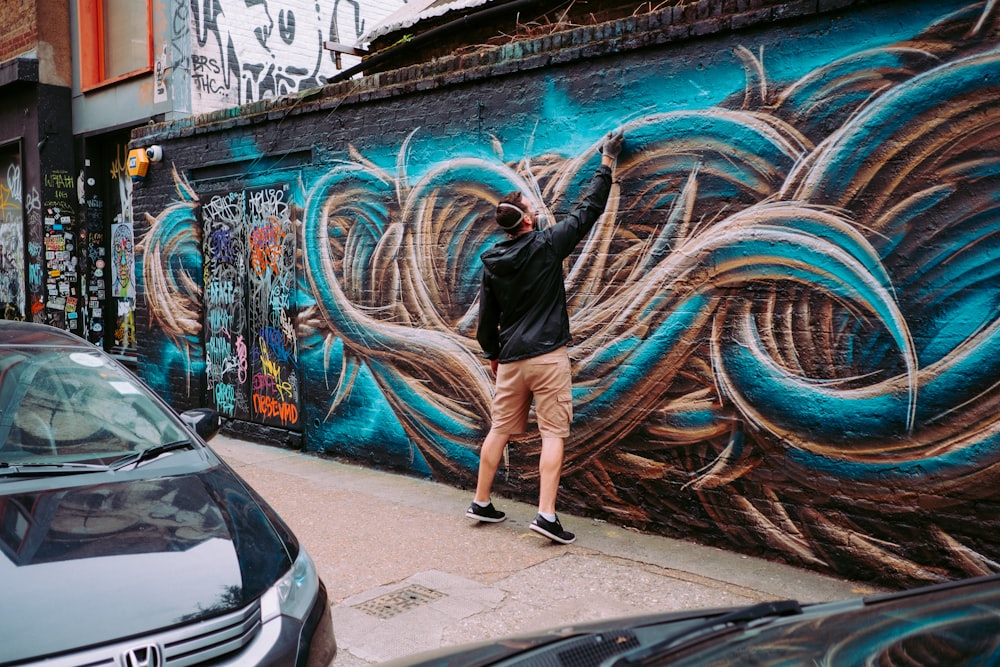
{"points": [[522, 299]]}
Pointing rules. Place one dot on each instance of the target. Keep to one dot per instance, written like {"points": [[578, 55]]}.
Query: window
{"points": [[115, 40], [71, 405]]}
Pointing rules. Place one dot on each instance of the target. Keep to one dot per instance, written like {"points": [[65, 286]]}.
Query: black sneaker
{"points": [[489, 513], [552, 530]]}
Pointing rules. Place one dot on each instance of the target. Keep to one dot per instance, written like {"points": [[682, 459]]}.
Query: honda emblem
{"points": [[145, 656]]}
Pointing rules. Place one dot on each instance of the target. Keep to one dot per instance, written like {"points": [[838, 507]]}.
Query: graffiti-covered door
{"points": [[13, 291], [109, 249], [250, 345]]}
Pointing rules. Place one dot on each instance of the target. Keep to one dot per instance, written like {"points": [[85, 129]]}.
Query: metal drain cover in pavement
{"points": [[390, 604]]}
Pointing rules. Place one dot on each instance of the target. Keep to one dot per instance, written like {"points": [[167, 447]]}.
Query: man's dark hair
{"points": [[510, 211]]}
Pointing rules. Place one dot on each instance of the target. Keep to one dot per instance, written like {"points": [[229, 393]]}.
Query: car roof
{"points": [[13, 333]]}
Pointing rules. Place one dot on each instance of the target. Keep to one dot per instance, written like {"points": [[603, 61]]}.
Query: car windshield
{"points": [[65, 406]]}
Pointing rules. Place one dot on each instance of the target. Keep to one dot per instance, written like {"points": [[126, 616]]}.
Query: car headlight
{"points": [[293, 594]]}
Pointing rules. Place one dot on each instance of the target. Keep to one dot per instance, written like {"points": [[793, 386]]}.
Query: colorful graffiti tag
{"points": [[12, 276], [121, 258], [250, 341], [786, 326]]}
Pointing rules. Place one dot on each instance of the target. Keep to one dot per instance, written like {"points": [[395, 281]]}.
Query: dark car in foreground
{"points": [[948, 625], [124, 540]]}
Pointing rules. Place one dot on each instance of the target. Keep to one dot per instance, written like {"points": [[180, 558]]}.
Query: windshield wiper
{"points": [[46, 469], [650, 655], [150, 453]]}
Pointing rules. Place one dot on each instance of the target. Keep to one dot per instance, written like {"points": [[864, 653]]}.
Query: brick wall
{"points": [[782, 330], [20, 30]]}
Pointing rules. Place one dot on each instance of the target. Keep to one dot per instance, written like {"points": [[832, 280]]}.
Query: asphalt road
{"points": [[407, 572]]}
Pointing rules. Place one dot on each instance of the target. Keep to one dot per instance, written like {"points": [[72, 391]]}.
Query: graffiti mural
{"points": [[33, 211], [250, 343], [122, 254], [246, 52], [12, 273], [171, 264], [786, 325]]}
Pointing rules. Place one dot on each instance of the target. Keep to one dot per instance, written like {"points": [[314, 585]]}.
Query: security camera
{"points": [[154, 153]]}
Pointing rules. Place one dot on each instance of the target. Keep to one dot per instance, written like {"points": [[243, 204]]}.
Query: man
{"points": [[524, 331]]}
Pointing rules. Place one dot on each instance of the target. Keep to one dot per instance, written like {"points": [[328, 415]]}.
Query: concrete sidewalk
{"points": [[407, 572]]}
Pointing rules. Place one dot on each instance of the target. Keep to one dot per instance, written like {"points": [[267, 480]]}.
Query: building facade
{"points": [[77, 76], [784, 328], [36, 183]]}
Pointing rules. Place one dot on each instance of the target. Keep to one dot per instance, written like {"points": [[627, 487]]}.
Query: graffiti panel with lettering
{"points": [[251, 350], [12, 272]]}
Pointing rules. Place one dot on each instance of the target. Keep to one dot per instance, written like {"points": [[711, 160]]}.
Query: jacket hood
{"points": [[89, 564], [509, 257]]}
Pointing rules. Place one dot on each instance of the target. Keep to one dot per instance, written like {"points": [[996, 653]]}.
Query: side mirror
{"points": [[205, 422]]}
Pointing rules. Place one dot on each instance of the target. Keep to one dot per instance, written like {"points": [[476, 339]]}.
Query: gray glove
{"points": [[612, 146]]}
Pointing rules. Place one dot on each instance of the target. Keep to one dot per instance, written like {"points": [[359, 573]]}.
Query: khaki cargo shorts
{"points": [[547, 378]]}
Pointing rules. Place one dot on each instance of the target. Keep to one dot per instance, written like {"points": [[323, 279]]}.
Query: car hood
{"points": [[90, 563], [493, 651], [953, 623]]}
